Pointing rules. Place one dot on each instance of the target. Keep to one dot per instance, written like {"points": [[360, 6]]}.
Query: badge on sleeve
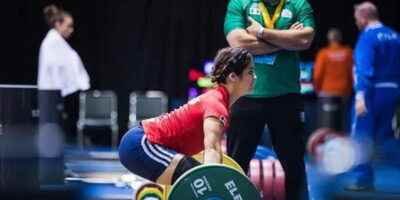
{"points": [[223, 120]]}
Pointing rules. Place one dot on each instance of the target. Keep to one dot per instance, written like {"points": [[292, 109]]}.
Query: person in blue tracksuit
{"points": [[377, 85]]}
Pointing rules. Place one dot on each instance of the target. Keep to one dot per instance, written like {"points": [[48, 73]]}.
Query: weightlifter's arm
{"points": [[213, 130]]}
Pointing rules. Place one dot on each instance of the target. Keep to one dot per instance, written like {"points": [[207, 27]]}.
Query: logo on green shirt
{"points": [[254, 9], [286, 13]]}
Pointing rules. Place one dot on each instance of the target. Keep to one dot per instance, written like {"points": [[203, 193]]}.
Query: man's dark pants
{"points": [[282, 114]]}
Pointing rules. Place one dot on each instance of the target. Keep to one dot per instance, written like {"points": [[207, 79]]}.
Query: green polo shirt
{"points": [[278, 74]]}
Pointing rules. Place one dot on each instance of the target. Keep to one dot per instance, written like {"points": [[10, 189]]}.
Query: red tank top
{"points": [[182, 129]]}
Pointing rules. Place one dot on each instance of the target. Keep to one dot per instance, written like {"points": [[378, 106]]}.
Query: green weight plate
{"points": [[213, 182]]}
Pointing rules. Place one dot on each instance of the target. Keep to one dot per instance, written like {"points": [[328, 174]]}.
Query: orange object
{"points": [[333, 74]]}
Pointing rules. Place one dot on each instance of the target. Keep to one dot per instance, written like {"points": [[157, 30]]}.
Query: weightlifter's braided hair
{"points": [[228, 60]]}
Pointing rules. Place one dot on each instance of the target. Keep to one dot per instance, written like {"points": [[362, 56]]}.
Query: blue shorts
{"points": [[142, 157]]}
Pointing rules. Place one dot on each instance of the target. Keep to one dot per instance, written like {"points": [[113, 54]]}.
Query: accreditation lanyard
{"points": [[270, 23]]}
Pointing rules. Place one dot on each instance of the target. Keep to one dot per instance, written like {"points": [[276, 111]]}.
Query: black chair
{"points": [[98, 109], [146, 105]]}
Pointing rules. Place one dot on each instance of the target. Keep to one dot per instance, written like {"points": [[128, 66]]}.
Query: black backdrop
{"points": [[131, 45]]}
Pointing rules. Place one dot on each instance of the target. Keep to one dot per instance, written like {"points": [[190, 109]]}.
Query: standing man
{"points": [[273, 31], [333, 76], [377, 79], [333, 69]]}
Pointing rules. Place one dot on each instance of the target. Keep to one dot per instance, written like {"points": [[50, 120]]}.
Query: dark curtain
{"points": [[129, 45], [142, 45]]}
